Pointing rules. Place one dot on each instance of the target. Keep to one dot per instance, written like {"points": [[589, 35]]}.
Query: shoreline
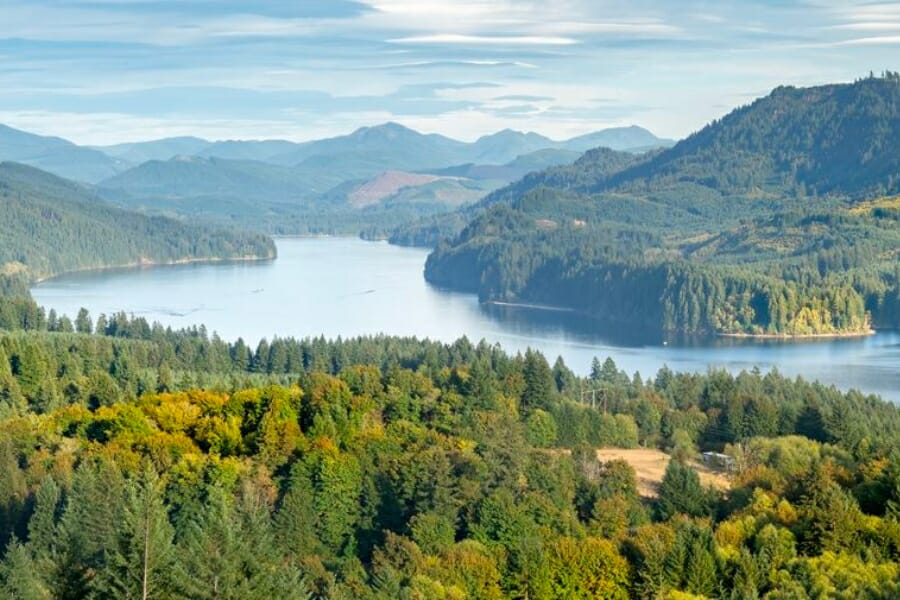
{"points": [[545, 307], [153, 264], [799, 336], [786, 337]]}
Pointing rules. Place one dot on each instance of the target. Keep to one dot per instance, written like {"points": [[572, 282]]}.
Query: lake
{"points": [[348, 287]]}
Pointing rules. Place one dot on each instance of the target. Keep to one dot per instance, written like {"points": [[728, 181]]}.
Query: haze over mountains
{"points": [[267, 182], [400, 147], [406, 146], [58, 156]]}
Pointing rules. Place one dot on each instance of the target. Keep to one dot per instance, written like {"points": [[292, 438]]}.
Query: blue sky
{"points": [[106, 71]]}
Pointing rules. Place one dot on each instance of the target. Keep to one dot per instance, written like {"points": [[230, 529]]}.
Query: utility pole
{"points": [[593, 393]]}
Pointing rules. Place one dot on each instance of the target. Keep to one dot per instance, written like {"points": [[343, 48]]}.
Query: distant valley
{"points": [[312, 187]]}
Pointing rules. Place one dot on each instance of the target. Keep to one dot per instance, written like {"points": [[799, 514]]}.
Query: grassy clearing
{"points": [[650, 466]]}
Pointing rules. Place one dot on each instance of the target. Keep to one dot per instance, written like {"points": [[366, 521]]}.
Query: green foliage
{"points": [[681, 493], [541, 429], [588, 568], [19, 579], [138, 564], [394, 468]]}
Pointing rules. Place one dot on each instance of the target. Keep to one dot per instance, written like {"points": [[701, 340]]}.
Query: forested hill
{"points": [[841, 139], [781, 218], [835, 139], [50, 225]]}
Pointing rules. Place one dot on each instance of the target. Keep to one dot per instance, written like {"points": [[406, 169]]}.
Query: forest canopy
{"points": [[138, 461]]}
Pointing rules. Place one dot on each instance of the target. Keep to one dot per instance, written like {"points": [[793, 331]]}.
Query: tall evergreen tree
{"points": [[139, 564], [19, 579], [680, 492], [539, 384]]}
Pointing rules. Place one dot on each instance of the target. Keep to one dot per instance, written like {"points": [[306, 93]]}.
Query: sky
{"points": [[108, 71]]}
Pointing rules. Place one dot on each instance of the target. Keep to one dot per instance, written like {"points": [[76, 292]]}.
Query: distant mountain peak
{"points": [[507, 134], [389, 129]]}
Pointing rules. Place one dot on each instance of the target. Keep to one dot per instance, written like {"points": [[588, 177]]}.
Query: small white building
{"points": [[718, 460]]}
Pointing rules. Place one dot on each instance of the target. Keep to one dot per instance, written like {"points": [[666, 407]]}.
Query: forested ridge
{"points": [[49, 226], [142, 462], [781, 218]]}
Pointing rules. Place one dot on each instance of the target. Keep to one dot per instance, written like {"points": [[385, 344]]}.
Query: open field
{"points": [[650, 465]]}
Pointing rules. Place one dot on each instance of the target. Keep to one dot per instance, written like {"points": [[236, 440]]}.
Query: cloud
{"points": [[638, 28], [524, 98], [869, 26], [425, 64], [292, 9], [475, 40], [884, 40], [134, 68]]}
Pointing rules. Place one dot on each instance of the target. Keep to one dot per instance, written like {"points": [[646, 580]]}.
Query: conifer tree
{"points": [[19, 579], [681, 492], [139, 564]]}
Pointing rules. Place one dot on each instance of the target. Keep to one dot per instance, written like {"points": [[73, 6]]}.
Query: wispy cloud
{"points": [[492, 40], [869, 26], [101, 69], [524, 98], [882, 40]]}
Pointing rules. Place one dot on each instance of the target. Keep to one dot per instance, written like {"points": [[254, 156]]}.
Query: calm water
{"points": [[347, 287]]}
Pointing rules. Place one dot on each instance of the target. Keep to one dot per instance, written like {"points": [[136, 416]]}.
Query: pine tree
{"points": [[31, 368], [609, 372], [539, 382], [596, 369], [700, 569], [43, 534], [296, 520], [563, 376], [226, 551], [138, 566], [19, 579], [13, 493], [681, 492], [210, 550], [87, 530]]}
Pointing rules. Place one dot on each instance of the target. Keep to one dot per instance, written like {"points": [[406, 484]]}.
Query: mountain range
{"points": [[58, 156], [389, 145], [265, 183]]}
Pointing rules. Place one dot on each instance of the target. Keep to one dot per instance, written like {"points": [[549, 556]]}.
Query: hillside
{"points": [[50, 225], [257, 150], [390, 143], [834, 139], [164, 149], [403, 148], [749, 226], [514, 169], [189, 176], [385, 185], [57, 156], [324, 193]]}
